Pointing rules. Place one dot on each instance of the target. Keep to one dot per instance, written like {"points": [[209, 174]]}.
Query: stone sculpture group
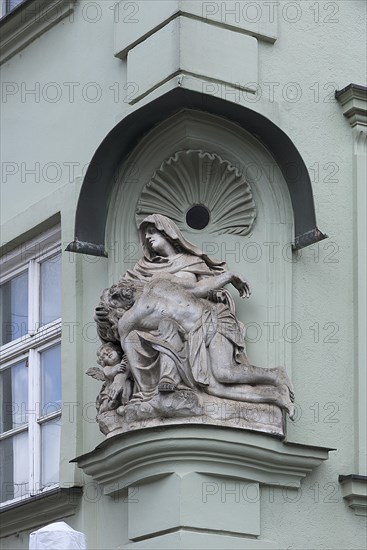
{"points": [[172, 344]]}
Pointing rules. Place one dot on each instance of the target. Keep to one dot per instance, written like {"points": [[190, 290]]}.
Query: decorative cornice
{"points": [[28, 21], [354, 490], [39, 510], [125, 459], [353, 99]]}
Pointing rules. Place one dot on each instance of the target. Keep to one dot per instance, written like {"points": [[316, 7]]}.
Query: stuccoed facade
{"points": [[69, 77]]}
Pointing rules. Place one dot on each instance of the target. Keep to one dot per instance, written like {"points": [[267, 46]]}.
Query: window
{"points": [[30, 368], [11, 4]]}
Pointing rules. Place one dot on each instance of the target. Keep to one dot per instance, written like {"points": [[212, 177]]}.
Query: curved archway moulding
{"points": [[91, 214]]}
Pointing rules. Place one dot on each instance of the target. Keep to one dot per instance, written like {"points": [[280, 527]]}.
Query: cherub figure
{"points": [[117, 386]]}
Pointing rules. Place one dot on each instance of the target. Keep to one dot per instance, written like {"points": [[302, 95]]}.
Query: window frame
{"points": [[6, 9], [29, 256]]}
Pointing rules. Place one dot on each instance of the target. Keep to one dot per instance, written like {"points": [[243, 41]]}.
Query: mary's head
{"points": [[160, 236], [158, 243]]}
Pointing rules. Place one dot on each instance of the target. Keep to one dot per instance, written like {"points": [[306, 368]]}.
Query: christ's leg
{"points": [[227, 371], [277, 395]]}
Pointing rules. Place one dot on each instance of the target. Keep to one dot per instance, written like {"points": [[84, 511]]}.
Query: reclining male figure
{"points": [[179, 307]]}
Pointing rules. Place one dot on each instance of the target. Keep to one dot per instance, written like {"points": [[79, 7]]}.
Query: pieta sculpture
{"points": [[172, 349]]}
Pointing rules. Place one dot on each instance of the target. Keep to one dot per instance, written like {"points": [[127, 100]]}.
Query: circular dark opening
{"points": [[198, 217]]}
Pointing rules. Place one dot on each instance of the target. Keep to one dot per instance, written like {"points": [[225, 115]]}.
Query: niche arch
{"points": [[90, 220], [258, 255]]}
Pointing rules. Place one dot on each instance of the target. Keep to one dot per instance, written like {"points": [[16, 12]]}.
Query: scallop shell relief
{"points": [[190, 178]]}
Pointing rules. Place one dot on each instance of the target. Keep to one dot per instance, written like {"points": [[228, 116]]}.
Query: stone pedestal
{"points": [[197, 486], [193, 408]]}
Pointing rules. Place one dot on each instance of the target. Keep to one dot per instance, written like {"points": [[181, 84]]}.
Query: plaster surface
{"points": [[297, 79]]}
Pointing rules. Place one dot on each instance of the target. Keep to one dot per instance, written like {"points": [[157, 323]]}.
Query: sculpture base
{"points": [[189, 487], [188, 407]]}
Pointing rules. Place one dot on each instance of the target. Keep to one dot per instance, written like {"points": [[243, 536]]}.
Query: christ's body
{"points": [[167, 302]]}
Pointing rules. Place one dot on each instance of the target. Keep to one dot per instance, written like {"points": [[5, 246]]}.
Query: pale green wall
{"points": [[64, 132]]}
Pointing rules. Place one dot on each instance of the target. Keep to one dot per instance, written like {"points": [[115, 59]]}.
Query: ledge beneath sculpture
{"points": [[193, 408], [176, 479], [126, 458]]}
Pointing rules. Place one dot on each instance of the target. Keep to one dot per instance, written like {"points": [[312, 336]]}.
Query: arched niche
{"points": [[91, 213], [263, 255]]}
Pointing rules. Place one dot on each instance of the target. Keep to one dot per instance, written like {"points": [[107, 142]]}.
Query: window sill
{"points": [[28, 21], [39, 510]]}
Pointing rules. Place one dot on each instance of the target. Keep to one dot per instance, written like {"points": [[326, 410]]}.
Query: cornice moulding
{"points": [[39, 510], [126, 459], [353, 99], [28, 22], [152, 16], [354, 491]]}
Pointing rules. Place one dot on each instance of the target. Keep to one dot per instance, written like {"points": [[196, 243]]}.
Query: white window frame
{"points": [[38, 339]]}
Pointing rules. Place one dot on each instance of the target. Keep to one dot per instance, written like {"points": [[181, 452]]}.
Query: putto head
{"points": [[109, 354]]}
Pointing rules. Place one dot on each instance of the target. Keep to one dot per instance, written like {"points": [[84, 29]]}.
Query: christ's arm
{"points": [[127, 323], [203, 287]]}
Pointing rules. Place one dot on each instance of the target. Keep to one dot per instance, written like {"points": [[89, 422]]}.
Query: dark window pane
{"points": [[51, 380], [14, 308], [13, 397], [14, 467], [11, 4], [50, 291]]}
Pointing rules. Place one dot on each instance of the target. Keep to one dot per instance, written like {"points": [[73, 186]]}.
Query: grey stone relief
{"points": [[173, 350], [196, 177]]}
